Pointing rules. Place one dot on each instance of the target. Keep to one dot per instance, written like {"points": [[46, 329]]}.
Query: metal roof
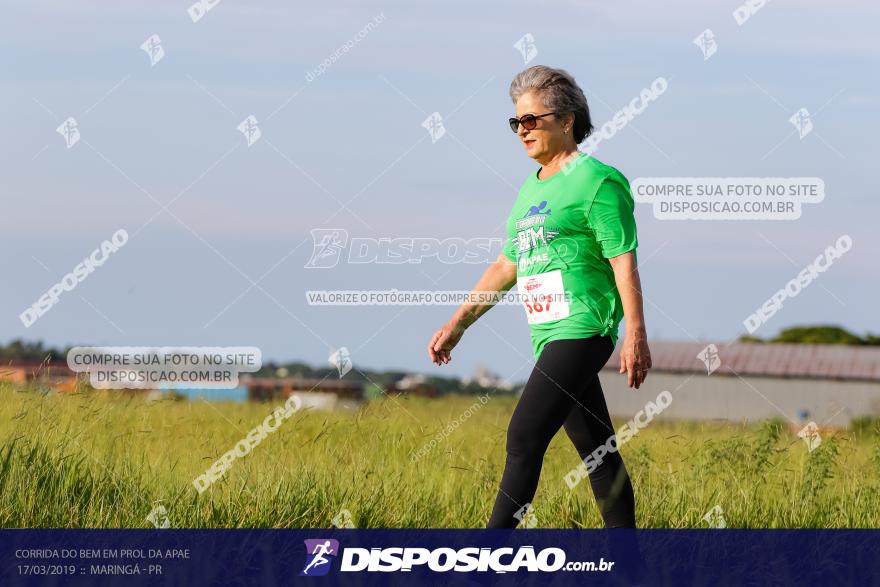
{"points": [[813, 361]]}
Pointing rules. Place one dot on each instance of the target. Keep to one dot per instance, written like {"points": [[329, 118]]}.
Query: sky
{"points": [[220, 231]]}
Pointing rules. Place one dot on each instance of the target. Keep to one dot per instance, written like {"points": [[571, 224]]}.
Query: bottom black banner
{"points": [[441, 557]]}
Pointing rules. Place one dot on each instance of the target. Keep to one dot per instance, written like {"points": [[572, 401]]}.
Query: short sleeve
{"points": [[611, 216]]}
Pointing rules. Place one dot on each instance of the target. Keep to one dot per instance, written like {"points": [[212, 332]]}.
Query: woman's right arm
{"points": [[498, 278]]}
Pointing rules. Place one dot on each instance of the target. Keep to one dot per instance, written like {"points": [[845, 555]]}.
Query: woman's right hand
{"points": [[443, 341], [498, 277]]}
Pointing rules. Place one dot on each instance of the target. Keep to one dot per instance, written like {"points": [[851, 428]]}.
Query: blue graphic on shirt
{"points": [[539, 209]]}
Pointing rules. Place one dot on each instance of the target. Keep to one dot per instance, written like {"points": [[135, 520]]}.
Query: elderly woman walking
{"points": [[571, 251]]}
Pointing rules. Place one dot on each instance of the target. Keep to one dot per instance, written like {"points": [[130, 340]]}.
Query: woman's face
{"points": [[547, 138]]}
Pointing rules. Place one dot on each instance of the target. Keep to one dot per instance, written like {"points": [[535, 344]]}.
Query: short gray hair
{"points": [[559, 93]]}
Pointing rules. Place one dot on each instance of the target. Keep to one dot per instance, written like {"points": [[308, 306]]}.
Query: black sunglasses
{"points": [[529, 121]]}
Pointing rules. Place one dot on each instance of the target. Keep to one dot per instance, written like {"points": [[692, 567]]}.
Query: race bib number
{"points": [[543, 297]]}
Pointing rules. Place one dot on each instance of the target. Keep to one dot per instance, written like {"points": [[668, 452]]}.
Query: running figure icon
{"points": [[317, 556]]}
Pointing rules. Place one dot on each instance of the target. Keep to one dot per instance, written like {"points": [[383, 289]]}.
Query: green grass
{"points": [[88, 460]]}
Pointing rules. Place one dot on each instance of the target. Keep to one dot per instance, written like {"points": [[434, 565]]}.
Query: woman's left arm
{"points": [[635, 357]]}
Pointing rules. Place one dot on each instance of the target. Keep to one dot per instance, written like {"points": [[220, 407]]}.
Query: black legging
{"points": [[564, 390]]}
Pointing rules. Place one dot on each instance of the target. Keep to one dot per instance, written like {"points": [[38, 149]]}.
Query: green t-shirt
{"points": [[568, 226]]}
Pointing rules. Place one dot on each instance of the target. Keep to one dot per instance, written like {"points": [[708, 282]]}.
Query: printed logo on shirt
{"points": [[539, 209], [532, 238], [526, 263], [529, 235], [530, 221]]}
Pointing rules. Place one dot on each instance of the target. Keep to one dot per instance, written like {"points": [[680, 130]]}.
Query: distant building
{"points": [[411, 381], [314, 393], [32, 374], [413, 384], [827, 384], [485, 378]]}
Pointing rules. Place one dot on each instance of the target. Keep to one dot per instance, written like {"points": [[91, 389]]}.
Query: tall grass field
{"points": [[93, 460]]}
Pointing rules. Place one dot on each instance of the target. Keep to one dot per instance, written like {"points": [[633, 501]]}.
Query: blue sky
{"points": [[153, 135]]}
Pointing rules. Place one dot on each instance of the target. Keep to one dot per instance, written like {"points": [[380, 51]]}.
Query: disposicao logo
{"points": [[320, 553]]}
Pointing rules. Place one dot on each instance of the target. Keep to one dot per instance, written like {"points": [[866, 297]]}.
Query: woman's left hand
{"points": [[635, 357]]}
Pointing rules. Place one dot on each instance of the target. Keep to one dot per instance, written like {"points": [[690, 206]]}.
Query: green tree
{"points": [[817, 334]]}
